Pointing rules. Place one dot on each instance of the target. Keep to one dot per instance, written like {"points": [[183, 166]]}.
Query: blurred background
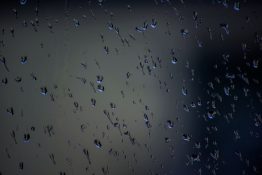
{"points": [[130, 87]]}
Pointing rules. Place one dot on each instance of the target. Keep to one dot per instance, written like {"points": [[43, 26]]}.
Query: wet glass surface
{"points": [[130, 87]]}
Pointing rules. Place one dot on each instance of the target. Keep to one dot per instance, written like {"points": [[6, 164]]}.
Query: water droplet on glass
{"points": [[170, 124], [97, 143], [23, 2]]}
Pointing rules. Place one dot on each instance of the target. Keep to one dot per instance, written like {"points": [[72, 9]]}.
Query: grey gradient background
{"points": [[58, 63]]}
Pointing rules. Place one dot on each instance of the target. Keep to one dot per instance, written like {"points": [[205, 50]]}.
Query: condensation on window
{"points": [[107, 87]]}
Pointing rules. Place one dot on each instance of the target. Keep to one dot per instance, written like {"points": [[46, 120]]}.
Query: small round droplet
{"points": [[184, 91], [170, 124], [113, 105], [174, 60], [97, 143], [26, 137], [167, 140], [186, 137], [211, 114], [146, 117], [93, 101], [24, 60], [23, 2], [100, 88], [43, 90]]}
